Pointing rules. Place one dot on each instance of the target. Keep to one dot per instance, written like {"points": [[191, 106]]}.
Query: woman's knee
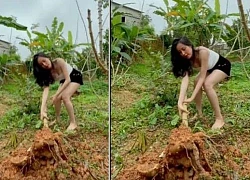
{"points": [[58, 99], [65, 97], [208, 85]]}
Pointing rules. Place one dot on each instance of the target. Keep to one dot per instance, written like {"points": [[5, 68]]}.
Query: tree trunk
{"points": [[98, 61], [100, 27], [243, 18]]}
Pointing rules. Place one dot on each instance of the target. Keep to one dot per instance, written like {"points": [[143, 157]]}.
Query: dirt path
{"points": [[3, 109], [123, 99]]}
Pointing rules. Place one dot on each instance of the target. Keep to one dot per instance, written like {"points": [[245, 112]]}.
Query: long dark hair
{"points": [[180, 65], [43, 76]]}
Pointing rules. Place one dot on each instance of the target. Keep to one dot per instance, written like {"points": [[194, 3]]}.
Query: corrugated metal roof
{"points": [[5, 41], [125, 6]]}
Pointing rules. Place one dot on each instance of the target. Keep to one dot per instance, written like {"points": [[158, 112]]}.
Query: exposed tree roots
{"points": [[184, 158], [45, 159]]}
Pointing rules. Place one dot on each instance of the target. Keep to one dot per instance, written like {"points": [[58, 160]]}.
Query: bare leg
{"points": [[215, 77], [57, 104], [66, 97], [198, 98]]}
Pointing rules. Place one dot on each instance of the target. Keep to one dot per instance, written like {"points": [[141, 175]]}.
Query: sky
{"points": [[30, 12], [160, 24]]}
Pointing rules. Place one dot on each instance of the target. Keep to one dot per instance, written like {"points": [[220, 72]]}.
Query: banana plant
{"points": [[11, 22], [119, 37], [195, 19], [52, 42]]}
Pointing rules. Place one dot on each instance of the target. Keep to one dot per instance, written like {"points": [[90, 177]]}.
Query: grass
{"points": [[24, 105]]}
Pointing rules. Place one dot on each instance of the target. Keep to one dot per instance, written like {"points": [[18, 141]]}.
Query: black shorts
{"points": [[75, 76], [223, 64]]}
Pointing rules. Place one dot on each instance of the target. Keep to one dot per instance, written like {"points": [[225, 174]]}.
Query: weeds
{"points": [[90, 108]]}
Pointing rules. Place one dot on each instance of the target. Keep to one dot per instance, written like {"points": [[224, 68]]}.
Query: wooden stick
{"points": [[243, 19], [184, 115], [45, 122]]}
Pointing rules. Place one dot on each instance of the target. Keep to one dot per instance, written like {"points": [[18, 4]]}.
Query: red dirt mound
{"points": [[45, 159], [184, 157]]}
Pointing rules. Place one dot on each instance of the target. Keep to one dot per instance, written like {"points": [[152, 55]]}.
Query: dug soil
{"points": [[56, 156], [191, 156]]}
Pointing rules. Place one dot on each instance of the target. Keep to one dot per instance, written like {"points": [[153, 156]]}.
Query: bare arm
{"points": [[203, 72], [62, 65], [43, 110], [183, 90]]}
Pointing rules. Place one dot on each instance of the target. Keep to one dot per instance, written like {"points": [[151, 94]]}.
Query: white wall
{"points": [[133, 17], [4, 47]]}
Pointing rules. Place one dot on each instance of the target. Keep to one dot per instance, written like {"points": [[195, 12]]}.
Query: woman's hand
{"points": [[43, 115], [182, 109], [189, 100]]}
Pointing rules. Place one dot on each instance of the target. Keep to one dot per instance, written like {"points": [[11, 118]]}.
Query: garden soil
{"points": [[51, 156], [189, 156]]}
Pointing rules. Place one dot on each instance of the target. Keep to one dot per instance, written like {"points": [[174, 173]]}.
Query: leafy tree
{"points": [[145, 20], [145, 25]]}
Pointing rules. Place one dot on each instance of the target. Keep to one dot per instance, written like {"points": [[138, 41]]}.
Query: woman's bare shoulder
{"points": [[200, 48], [58, 61], [203, 50]]}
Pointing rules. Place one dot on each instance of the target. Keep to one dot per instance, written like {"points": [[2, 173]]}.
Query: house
{"points": [[131, 16], [4, 47], [221, 48]]}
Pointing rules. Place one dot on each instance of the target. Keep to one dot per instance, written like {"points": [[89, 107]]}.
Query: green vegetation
{"points": [[23, 106]]}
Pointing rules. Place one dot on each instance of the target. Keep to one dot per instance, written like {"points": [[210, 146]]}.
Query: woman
{"points": [[47, 72], [213, 68]]}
